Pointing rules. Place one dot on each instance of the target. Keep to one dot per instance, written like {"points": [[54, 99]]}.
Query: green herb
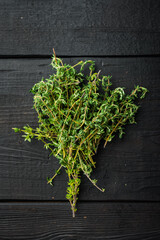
{"points": [[74, 115]]}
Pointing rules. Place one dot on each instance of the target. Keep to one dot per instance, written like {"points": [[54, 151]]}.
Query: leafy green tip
{"points": [[16, 129]]}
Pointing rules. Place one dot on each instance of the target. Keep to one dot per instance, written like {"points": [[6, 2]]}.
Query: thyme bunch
{"points": [[73, 117]]}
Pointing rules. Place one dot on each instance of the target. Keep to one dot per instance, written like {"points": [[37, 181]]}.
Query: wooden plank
{"points": [[80, 28], [45, 221], [129, 169]]}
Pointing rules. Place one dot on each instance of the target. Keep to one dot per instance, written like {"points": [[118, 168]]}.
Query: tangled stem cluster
{"points": [[75, 111]]}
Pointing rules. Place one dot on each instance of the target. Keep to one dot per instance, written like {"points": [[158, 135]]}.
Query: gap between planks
{"points": [[52, 202], [79, 56]]}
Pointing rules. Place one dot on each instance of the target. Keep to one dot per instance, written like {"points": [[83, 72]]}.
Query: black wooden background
{"points": [[123, 37]]}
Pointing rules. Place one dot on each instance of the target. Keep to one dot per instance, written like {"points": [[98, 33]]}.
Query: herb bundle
{"points": [[75, 111]]}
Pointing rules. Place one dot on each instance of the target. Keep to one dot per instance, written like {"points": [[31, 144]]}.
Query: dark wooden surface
{"points": [[123, 37], [80, 27], [122, 221]]}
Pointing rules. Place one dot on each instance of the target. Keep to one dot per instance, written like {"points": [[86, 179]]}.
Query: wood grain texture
{"points": [[80, 28], [129, 169], [46, 221]]}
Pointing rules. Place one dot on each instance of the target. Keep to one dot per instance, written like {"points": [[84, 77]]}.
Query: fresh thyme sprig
{"points": [[73, 116]]}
